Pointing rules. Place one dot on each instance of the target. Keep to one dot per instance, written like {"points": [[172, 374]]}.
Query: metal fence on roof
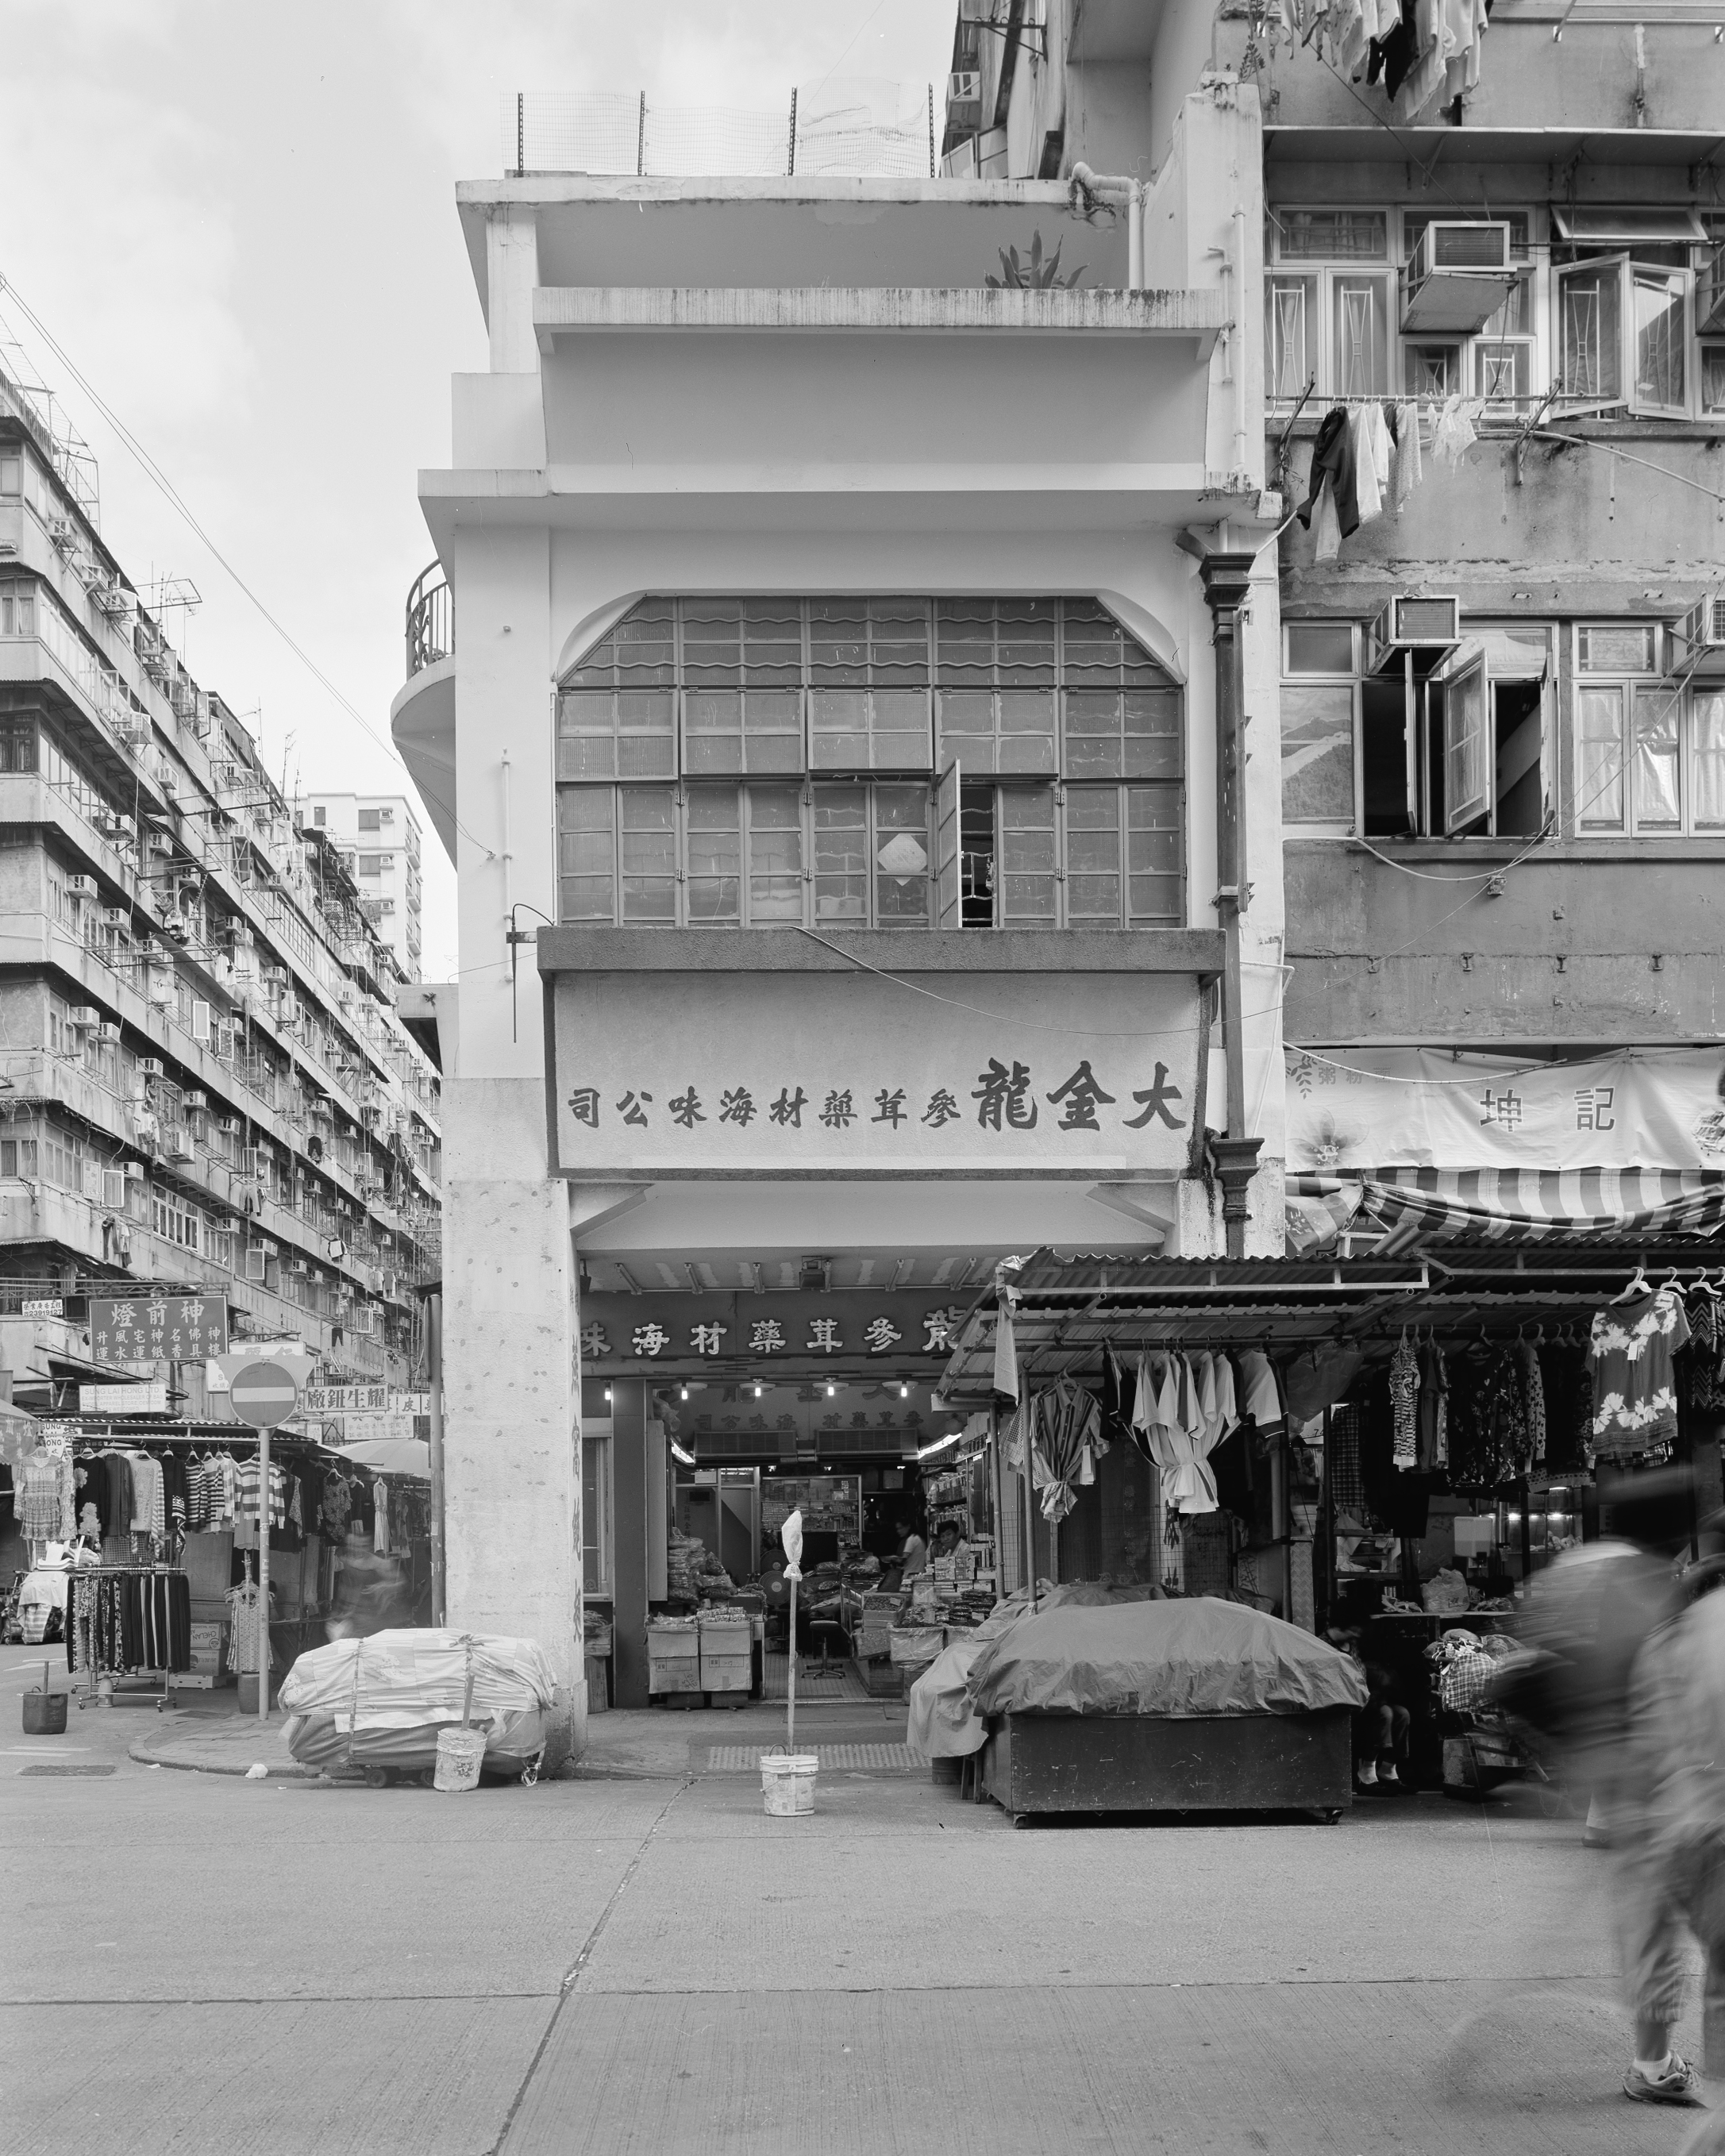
{"points": [[861, 129]]}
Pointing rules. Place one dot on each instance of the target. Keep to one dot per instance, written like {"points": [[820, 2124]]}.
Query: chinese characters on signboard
{"points": [[158, 1328], [763, 1337]]}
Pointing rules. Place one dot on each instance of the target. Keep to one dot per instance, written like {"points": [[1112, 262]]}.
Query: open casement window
{"points": [[1622, 335], [948, 850], [1467, 741]]}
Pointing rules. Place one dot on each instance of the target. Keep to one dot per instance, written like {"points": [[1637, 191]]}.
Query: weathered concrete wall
{"points": [[1588, 942]]}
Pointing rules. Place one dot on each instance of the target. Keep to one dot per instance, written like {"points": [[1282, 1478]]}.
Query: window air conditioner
{"points": [[149, 1066], [1457, 278], [1427, 627], [179, 1143], [117, 916], [133, 1171], [298, 1268], [86, 1015], [81, 887], [107, 1031], [196, 1099], [966, 89], [1703, 635], [230, 1126]]}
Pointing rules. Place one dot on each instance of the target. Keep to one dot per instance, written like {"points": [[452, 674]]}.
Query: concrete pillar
{"points": [[629, 1509], [512, 1382], [511, 273]]}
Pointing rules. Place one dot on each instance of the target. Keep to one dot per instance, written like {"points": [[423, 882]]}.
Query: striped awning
{"points": [[1509, 1206]]}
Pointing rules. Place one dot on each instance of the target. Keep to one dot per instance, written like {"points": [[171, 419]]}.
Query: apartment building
{"points": [[835, 720], [377, 836], [204, 1079]]}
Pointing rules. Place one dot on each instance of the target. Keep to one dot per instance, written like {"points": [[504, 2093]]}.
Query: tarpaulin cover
{"points": [[400, 1680], [512, 1741], [1177, 1657], [943, 1723]]}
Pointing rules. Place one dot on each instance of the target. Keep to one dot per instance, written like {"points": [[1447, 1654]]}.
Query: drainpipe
{"points": [[1119, 190], [434, 1379], [1226, 588]]}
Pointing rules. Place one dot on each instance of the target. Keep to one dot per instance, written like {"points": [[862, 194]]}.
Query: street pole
{"points": [[264, 1573], [434, 1369]]}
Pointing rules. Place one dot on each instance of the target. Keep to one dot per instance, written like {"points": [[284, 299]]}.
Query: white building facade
{"points": [[379, 839]]}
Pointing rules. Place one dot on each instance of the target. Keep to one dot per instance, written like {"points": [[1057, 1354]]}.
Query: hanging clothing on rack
{"points": [[1332, 469], [1408, 470], [1433, 1408], [1067, 1424], [43, 1502], [1634, 1386], [1260, 1401], [1118, 1403], [248, 1647], [1181, 1446], [127, 1618], [1534, 1396], [1405, 1403]]}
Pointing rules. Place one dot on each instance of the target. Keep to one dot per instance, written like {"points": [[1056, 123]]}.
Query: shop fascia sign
{"points": [[837, 1074], [893, 1331]]}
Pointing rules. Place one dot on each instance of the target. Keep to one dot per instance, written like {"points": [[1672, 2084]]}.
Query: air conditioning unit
{"points": [[298, 1268], [179, 1143], [287, 1011], [81, 887], [162, 846], [117, 916], [1703, 635], [195, 1100], [1427, 627], [108, 1032], [965, 89], [177, 929], [149, 1066], [110, 596], [133, 1171], [86, 1016], [230, 1126], [203, 713], [63, 532], [1457, 277]]}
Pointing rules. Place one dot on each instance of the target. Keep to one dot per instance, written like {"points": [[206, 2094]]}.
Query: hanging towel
{"points": [[1369, 501], [1326, 540], [1408, 473], [1006, 1353], [1260, 1399]]}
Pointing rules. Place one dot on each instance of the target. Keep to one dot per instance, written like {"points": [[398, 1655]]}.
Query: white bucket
{"points": [[460, 1753], [788, 1783]]}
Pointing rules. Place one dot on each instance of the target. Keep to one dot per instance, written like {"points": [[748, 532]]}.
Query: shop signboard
{"points": [[346, 1399], [150, 1398], [158, 1328], [1364, 1109], [856, 1074], [887, 1331], [43, 1306]]}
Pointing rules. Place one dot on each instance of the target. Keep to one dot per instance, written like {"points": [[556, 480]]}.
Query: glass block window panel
{"points": [[1318, 753], [1124, 712], [742, 671], [616, 716], [734, 731], [1627, 647], [713, 820], [1332, 235], [587, 852], [1656, 785], [647, 847], [1590, 331], [775, 836], [996, 664], [1359, 336], [1154, 857], [1600, 774], [841, 856], [1093, 857], [1029, 857], [902, 854], [869, 669], [1290, 319], [1708, 765]]}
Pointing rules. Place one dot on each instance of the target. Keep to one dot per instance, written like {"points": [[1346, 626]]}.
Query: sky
{"points": [[239, 223]]}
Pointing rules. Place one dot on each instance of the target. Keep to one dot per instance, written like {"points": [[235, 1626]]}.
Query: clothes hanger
{"points": [[1638, 1285]]}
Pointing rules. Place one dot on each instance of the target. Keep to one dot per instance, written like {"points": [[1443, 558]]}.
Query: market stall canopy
{"points": [[390, 1455], [1201, 1656]]}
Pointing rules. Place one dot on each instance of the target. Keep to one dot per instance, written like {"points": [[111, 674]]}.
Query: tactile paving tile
{"points": [[861, 1759]]}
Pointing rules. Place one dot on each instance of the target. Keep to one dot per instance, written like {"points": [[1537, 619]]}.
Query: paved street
{"points": [[641, 1961]]}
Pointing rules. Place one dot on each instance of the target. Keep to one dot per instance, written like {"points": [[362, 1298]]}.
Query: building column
{"points": [[512, 1380], [1226, 583]]}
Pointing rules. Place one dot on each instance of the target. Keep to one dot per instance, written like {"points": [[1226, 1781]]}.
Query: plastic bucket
{"points": [[460, 1752], [788, 1783]]}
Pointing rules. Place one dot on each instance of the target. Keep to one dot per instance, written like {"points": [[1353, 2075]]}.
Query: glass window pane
{"points": [[841, 856], [1503, 370], [1599, 780], [1659, 316], [1359, 336], [1656, 804], [1093, 856], [1616, 647], [901, 853], [1153, 857], [715, 854], [1028, 857], [1712, 378], [1323, 234], [775, 855], [1289, 343], [607, 735], [1590, 332], [587, 852], [968, 728], [1432, 370], [1317, 754], [1320, 646], [648, 846], [1706, 713]]}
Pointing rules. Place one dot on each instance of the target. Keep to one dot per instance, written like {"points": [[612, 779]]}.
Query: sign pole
{"points": [[264, 1572]]}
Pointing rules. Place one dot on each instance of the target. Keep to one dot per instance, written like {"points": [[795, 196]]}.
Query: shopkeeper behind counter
{"points": [[914, 1558]]}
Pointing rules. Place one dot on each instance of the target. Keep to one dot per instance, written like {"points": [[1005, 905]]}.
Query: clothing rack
{"points": [[137, 1675]]}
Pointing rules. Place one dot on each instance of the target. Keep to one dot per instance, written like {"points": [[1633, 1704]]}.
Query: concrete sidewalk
{"points": [[651, 1744]]}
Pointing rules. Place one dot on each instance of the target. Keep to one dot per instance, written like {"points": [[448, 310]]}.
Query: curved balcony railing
{"points": [[431, 619]]}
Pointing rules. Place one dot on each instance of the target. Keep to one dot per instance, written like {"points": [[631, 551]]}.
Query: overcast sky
{"points": [[240, 223]]}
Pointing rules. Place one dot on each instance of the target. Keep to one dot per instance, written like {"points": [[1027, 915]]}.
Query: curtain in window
{"points": [[1599, 727], [1708, 722], [1656, 781]]}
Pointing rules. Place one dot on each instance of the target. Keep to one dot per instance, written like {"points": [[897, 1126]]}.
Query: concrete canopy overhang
{"points": [[1433, 148]]}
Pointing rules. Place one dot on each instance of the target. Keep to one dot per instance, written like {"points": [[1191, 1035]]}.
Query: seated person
{"points": [[1381, 1727]]}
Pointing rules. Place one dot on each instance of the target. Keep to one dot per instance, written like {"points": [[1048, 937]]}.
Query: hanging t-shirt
{"points": [[1635, 1389], [1404, 1402]]}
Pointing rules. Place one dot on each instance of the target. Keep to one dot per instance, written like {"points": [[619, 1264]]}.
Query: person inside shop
{"points": [[1381, 1727], [949, 1539], [914, 1553]]}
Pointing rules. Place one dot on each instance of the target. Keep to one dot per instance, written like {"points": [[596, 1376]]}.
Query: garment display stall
{"points": [[1386, 1449]]}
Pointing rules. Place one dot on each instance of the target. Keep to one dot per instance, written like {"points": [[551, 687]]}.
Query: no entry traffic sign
{"points": [[264, 1394]]}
